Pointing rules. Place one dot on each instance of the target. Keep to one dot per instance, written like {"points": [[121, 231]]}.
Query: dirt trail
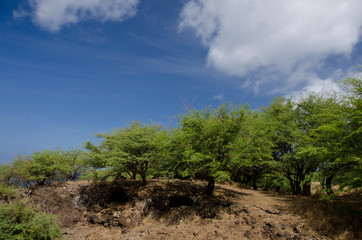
{"points": [[174, 211]]}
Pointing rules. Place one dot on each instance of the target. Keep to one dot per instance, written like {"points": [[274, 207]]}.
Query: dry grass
{"points": [[337, 219]]}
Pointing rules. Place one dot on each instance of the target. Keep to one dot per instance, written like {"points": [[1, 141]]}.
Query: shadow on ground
{"points": [[340, 217], [172, 201]]}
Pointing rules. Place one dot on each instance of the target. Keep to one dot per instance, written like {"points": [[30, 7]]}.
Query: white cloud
{"points": [[273, 38], [54, 14], [219, 97], [328, 85], [316, 85]]}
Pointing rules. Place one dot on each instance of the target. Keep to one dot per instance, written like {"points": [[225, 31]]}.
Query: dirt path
{"points": [[175, 211]]}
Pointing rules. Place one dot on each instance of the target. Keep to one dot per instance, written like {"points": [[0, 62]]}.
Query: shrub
{"points": [[273, 180], [20, 221], [6, 191]]}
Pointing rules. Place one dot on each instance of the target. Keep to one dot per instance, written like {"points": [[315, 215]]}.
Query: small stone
{"points": [[282, 226], [97, 208], [94, 219], [269, 224], [295, 229]]}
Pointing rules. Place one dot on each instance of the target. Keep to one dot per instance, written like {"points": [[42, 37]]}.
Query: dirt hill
{"points": [[175, 210]]}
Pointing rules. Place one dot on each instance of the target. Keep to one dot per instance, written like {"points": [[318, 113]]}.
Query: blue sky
{"points": [[71, 68]]}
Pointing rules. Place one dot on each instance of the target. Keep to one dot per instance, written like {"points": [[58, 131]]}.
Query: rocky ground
{"points": [[172, 210]]}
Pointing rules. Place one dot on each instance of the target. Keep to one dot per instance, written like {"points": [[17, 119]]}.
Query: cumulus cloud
{"points": [[273, 38], [54, 14]]}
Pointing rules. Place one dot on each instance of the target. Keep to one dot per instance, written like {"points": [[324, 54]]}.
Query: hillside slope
{"points": [[172, 210]]}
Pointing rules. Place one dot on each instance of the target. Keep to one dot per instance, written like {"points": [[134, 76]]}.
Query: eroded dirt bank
{"points": [[173, 210]]}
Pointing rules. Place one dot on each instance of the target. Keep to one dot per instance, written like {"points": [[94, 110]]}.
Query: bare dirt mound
{"points": [[170, 210]]}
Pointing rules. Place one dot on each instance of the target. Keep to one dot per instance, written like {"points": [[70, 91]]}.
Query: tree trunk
{"points": [[210, 187], [306, 189], [329, 185], [142, 170], [298, 189], [144, 181], [144, 178], [292, 186], [95, 174], [255, 182], [245, 180], [134, 174]]}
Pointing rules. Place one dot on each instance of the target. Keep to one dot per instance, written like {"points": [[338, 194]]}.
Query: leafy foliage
{"points": [[287, 135], [133, 150], [20, 221], [6, 191], [47, 166], [251, 150], [206, 138]]}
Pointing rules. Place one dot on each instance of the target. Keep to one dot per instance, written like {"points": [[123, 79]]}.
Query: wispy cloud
{"points": [[120, 63], [219, 97], [52, 15]]}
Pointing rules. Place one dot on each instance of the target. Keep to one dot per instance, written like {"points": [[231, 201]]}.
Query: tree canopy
{"points": [[288, 144]]}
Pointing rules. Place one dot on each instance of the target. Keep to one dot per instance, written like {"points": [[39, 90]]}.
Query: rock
{"points": [[283, 227], [94, 219], [97, 208], [247, 234]]}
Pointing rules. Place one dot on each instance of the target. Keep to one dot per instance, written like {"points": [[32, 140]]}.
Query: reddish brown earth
{"points": [[172, 210]]}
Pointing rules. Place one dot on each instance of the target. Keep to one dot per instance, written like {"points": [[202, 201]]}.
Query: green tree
{"points": [[43, 167], [317, 112], [339, 138], [71, 164], [95, 161], [351, 141], [251, 151], [205, 139], [333, 135], [7, 172], [132, 150], [289, 137]]}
